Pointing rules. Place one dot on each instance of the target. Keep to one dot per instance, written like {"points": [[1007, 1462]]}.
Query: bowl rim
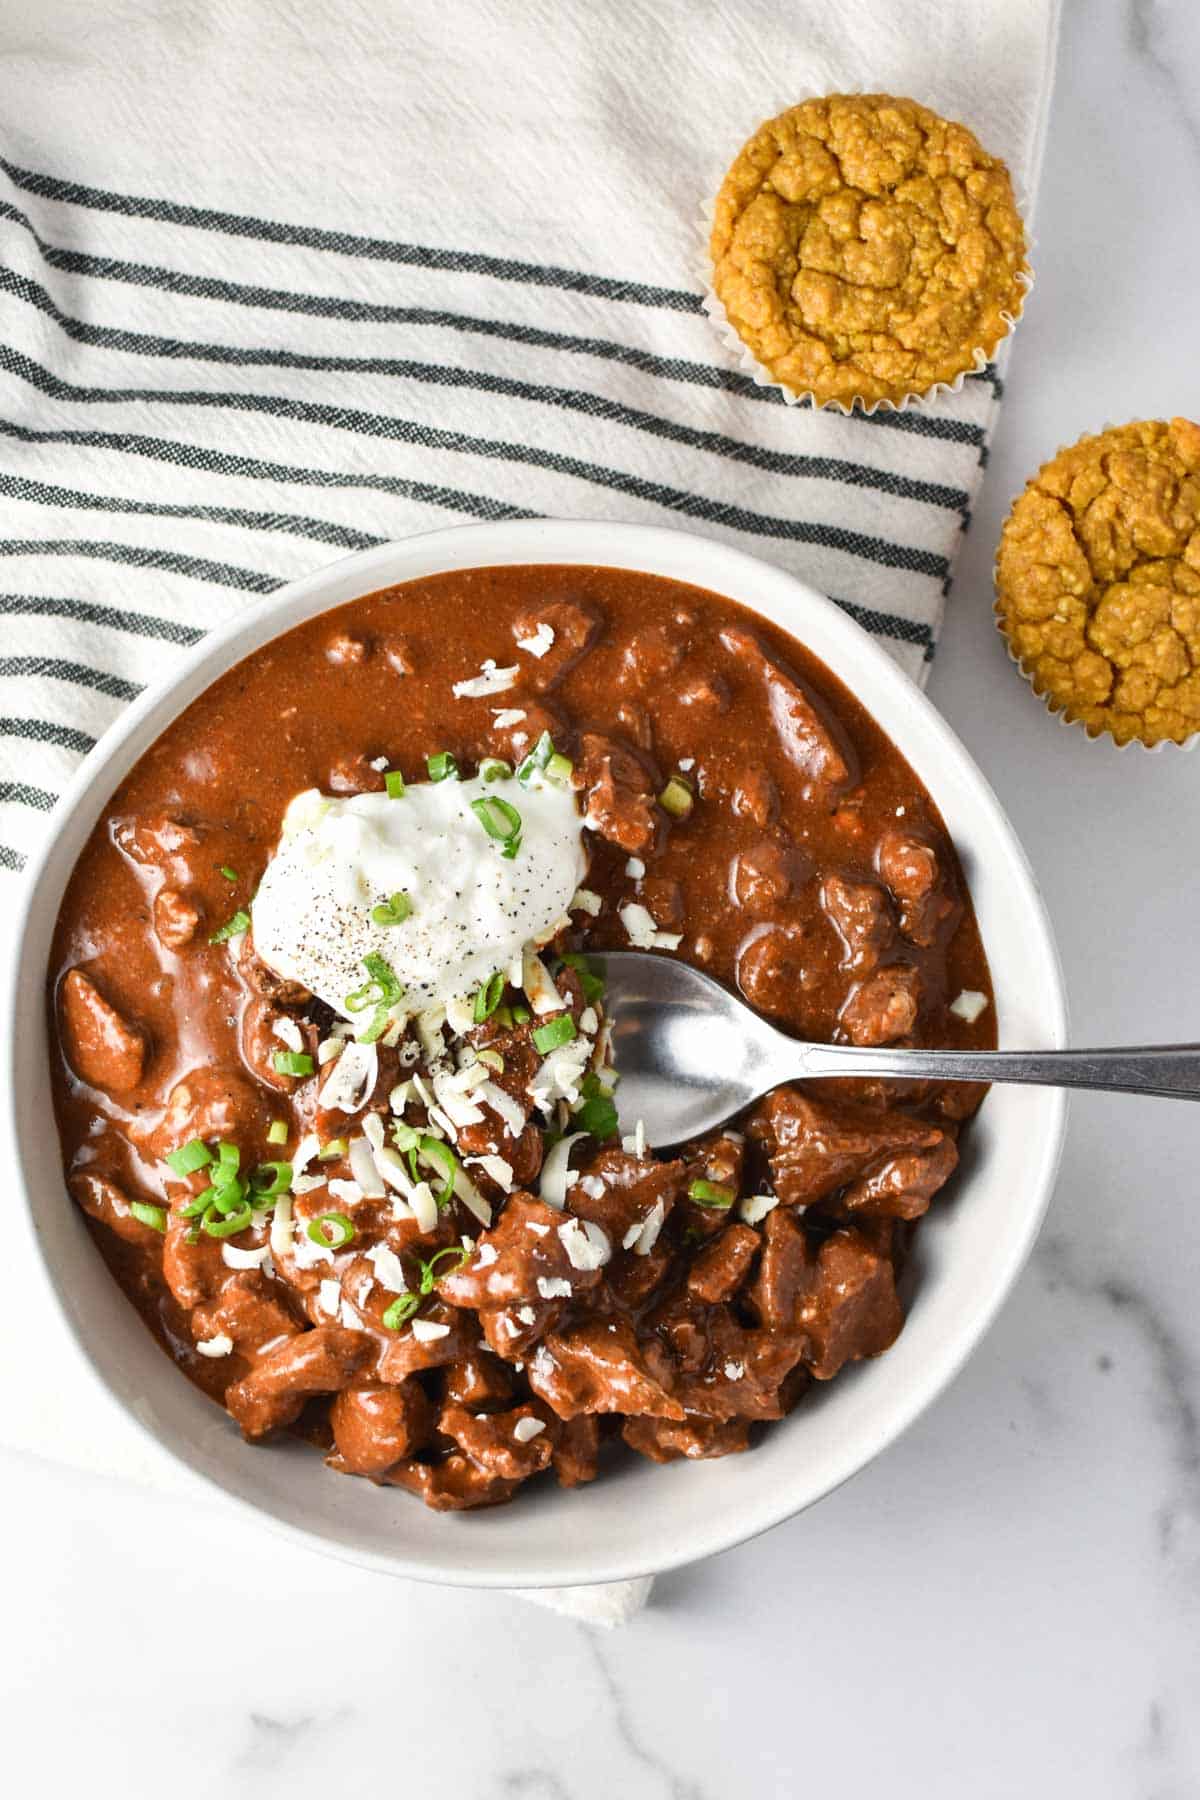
{"points": [[725, 570]]}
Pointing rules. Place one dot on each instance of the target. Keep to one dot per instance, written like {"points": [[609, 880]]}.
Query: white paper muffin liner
{"points": [[762, 377], [1058, 712]]}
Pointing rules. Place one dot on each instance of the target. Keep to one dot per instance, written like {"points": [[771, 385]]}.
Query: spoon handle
{"points": [[1170, 1070]]}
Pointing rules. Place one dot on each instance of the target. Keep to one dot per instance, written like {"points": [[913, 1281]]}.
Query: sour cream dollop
{"points": [[473, 909]]}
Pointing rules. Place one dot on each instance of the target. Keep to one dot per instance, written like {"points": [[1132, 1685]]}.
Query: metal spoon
{"points": [[691, 1054]]}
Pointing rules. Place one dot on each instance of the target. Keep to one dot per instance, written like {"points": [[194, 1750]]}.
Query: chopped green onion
{"points": [[392, 911], [228, 873], [292, 1062], [503, 1016], [218, 1227], [591, 1086], [196, 1209], [537, 759], [559, 768], [333, 1230], [145, 1214], [332, 1150], [393, 781], [234, 927], [458, 1251], [492, 1059], [271, 1178], [597, 1115], [711, 1193], [510, 846], [189, 1157], [441, 766], [405, 1137], [677, 797], [498, 818], [434, 1151], [555, 1032], [383, 989], [277, 1132], [228, 1195], [377, 1027], [521, 1015], [494, 768], [228, 1157], [488, 997], [401, 1310]]}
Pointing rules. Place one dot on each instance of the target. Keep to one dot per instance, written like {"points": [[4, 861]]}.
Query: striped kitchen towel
{"points": [[279, 283]]}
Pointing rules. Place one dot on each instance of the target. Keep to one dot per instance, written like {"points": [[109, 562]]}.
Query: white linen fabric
{"points": [[279, 281]]}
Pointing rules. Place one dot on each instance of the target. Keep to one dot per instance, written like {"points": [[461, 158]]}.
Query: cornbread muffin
{"points": [[1098, 582], [865, 249]]}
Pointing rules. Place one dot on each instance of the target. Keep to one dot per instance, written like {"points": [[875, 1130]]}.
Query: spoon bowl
{"points": [[691, 1055]]}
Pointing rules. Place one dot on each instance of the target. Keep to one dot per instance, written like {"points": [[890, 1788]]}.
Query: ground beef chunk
{"points": [[495, 1441], [902, 1185], [477, 1380], [517, 1259], [177, 918], [782, 969], [601, 1367], [911, 868], [106, 1201], [576, 624], [273, 1394], [666, 1440], [576, 1454], [809, 737], [406, 1353], [841, 1295], [212, 1103], [815, 1147], [374, 1427], [653, 653], [455, 1484], [249, 1309], [718, 1271], [860, 914], [883, 1008], [755, 796], [512, 1331], [514, 741], [101, 1045], [157, 842], [630, 1188], [620, 793], [765, 874]]}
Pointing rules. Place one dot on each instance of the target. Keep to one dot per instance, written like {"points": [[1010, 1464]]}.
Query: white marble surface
{"points": [[1006, 1603]]}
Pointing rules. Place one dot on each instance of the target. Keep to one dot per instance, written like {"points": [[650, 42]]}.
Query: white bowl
{"points": [[638, 1518]]}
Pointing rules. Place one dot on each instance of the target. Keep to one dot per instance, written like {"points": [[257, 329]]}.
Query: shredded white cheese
{"points": [[635, 868], [541, 641], [969, 1006], [388, 1268], [427, 1331], [329, 1297], [288, 1032], [552, 1287], [490, 680], [755, 1207], [506, 716], [525, 1430], [586, 1245], [642, 931], [220, 1345]]}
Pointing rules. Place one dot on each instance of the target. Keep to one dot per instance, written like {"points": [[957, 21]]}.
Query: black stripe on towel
{"points": [[55, 668], [348, 243], [410, 431]]}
